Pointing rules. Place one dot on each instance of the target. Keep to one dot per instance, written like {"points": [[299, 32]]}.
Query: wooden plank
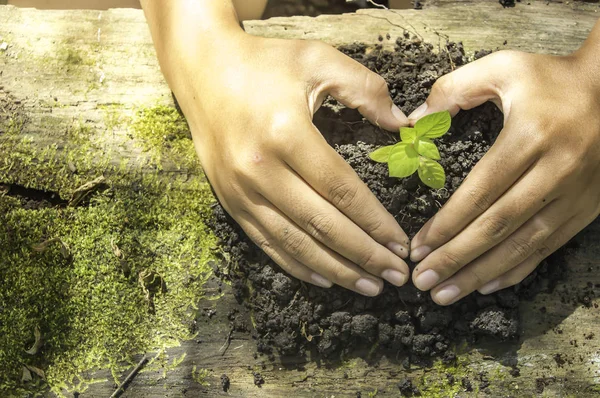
{"points": [[118, 69], [539, 27]]}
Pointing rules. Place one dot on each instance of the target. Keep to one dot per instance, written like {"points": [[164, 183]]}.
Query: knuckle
{"points": [[535, 133], [374, 224], [338, 275], [478, 278], [343, 194], [543, 251], [377, 83], [443, 86], [243, 168], [520, 248], [442, 233], [279, 131], [320, 226], [296, 244], [367, 260], [311, 52], [479, 198], [495, 227], [449, 261], [265, 245], [506, 58]]}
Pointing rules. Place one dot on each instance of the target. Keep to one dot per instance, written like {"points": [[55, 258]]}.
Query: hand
{"points": [[537, 186], [275, 174]]}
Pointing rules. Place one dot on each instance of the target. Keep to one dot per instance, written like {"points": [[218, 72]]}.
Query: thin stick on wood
{"points": [[129, 378], [376, 4], [225, 345]]}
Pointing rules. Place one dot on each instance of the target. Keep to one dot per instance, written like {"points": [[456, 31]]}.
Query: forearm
{"points": [[194, 40], [76, 4]]}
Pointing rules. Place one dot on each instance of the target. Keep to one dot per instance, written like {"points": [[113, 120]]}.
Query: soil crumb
{"points": [[225, 382]]}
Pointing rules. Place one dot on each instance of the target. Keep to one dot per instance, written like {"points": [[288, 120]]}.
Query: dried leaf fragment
{"points": [[38, 342]]}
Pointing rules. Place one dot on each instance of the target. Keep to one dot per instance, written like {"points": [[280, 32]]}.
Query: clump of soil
{"points": [[408, 389], [225, 382], [291, 317]]}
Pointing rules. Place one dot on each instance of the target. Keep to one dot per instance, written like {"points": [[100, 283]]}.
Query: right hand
{"points": [[250, 111]]}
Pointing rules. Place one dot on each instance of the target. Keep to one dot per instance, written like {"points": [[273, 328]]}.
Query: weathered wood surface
{"points": [[118, 69], [553, 28]]}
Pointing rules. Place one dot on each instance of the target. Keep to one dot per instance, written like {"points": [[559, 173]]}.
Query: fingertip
{"points": [[400, 116], [395, 277], [320, 281], [426, 279], [368, 287], [419, 253], [490, 287], [418, 113], [446, 295], [398, 249]]}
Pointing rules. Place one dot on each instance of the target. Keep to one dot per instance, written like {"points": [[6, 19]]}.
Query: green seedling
{"points": [[416, 150]]}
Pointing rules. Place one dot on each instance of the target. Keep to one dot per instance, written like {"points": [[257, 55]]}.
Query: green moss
{"points": [[72, 57], [200, 375], [163, 133], [435, 382], [87, 291]]}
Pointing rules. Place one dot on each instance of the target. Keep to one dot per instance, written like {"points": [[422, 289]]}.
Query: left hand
{"points": [[537, 186]]}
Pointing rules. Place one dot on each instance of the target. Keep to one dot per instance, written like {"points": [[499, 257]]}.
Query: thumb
{"points": [[357, 87], [469, 86]]}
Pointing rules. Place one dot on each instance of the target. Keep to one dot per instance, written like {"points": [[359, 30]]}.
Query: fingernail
{"points": [[417, 113], [367, 287], [490, 287], [399, 115], [447, 295], [394, 277], [419, 253], [398, 249], [320, 281], [427, 279]]}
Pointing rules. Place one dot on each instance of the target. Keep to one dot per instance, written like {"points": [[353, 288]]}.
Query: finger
{"points": [[302, 247], [529, 240], [491, 177], [469, 86], [513, 209], [357, 87], [332, 178], [521, 271], [328, 225], [293, 267]]}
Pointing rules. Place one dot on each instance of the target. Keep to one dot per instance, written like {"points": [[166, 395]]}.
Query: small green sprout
{"points": [[416, 151]]}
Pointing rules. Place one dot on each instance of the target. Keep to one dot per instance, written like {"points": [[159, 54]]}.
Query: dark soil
{"points": [[291, 317], [32, 199], [313, 8]]}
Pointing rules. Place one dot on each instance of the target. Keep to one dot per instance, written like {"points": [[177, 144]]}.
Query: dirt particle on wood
{"points": [[225, 382], [258, 379]]}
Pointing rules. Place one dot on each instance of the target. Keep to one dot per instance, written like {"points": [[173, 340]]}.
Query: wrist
{"points": [[587, 59]]}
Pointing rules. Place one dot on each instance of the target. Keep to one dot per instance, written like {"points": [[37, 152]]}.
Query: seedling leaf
{"points": [[427, 148], [432, 173], [382, 154], [408, 134], [434, 125], [403, 161]]}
